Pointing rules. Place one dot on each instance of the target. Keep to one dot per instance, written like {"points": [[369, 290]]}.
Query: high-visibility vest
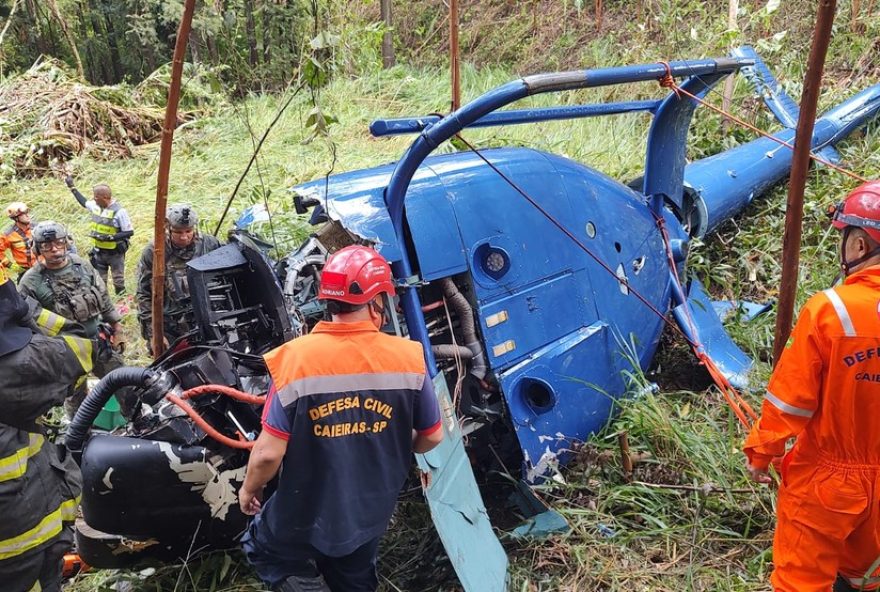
{"points": [[103, 224]]}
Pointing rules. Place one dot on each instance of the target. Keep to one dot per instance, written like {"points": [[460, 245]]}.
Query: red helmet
{"points": [[355, 275], [861, 208]]}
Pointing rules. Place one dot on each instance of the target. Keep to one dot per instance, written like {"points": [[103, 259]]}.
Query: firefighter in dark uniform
{"points": [[17, 240], [67, 285], [183, 243], [110, 231], [39, 484]]}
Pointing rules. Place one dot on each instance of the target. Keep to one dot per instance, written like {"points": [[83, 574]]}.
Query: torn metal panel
{"points": [[560, 395], [708, 331], [457, 507]]}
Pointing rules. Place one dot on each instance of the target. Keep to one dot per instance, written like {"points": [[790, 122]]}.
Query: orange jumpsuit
{"points": [[826, 391], [19, 242]]}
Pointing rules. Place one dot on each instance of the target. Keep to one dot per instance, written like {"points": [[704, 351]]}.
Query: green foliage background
{"points": [[712, 530]]}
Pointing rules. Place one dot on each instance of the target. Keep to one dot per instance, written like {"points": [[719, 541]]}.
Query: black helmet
{"points": [[48, 231], [181, 215]]}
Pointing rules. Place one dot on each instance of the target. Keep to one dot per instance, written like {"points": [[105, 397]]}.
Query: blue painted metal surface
{"points": [[725, 183], [700, 322], [457, 508], [559, 330], [413, 125]]}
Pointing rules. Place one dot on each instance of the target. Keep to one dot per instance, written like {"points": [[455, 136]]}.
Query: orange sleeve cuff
{"points": [[757, 460]]}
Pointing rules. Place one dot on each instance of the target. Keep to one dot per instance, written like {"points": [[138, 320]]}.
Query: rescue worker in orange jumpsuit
{"points": [[347, 408], [17, 240], [825, 391]]}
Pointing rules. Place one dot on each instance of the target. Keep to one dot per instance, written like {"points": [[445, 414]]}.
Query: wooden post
{"points": [[800, 166], [727, 96], [453, 54], [626, 462], [162, 181], [387, 41]]}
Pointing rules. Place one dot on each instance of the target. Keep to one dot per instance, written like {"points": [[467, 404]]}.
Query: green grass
{"points": [[713, 530]]}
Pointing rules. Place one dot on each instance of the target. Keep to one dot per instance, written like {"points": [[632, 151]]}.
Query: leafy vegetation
{"points": [[688, 518]]}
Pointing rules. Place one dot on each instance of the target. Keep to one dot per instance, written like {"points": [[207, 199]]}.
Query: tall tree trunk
{"points": [[194, 46], [36, 29], [53, 7], [106, 75], [387, 41], [251, 32], [266, 18], [92, 62], [112, 42], [211, 46], [11, 16]]}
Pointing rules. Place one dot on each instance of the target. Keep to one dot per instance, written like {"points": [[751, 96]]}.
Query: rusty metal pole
{"points": [[387, 41], [162, 181], [453, 54], [800, 166]]}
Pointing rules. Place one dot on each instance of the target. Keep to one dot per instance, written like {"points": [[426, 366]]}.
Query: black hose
{"points": [[95, 401], [447, 351]]}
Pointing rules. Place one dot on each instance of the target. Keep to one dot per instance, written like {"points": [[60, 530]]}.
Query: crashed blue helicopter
{"points": [[522, 273]]}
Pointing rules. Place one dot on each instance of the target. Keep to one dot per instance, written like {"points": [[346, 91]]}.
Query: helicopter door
{"points": [[457, 508]]}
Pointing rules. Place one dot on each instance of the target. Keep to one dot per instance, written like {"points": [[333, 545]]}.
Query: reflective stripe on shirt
{"points": [[842, 313], [785, 407], [862, 583], [15, 465], [342, 383]]}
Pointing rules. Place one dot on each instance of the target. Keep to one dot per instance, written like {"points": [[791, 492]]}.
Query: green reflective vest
{"points": [[103, 226]]}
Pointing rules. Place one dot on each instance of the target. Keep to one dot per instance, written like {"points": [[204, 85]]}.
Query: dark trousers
{"points": [[355, 572], [21, 574], [102, 260]]}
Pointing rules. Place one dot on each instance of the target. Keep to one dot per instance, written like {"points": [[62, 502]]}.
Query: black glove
{"points": [[68, 180]]}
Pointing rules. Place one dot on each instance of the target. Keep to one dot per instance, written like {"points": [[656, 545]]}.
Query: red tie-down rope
{"points": [[740, 406], [667, 81]]}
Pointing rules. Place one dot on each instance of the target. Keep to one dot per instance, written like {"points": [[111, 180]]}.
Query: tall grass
{"points": [[710, 529]]}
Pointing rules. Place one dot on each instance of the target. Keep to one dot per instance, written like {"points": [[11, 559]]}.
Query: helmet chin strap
{"points": [[846, 267]]}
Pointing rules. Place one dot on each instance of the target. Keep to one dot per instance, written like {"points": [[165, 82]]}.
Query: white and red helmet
{"points": [[356, 275], [861, 209]]}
